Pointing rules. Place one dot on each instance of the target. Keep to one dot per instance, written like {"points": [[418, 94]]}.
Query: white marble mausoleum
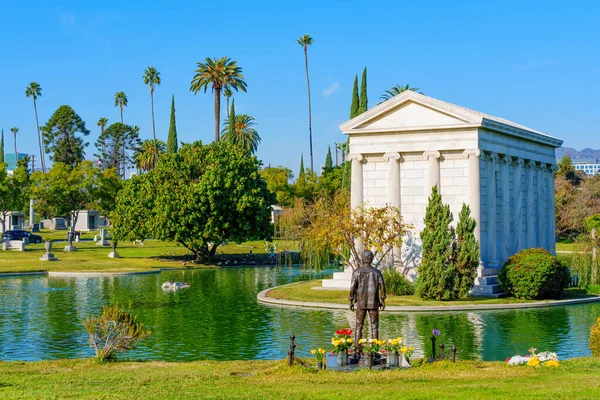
{"points": [[504, 171]]}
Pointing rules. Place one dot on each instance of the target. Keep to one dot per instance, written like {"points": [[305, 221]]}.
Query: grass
{"points": [[565, 246], [303, 292], [89, 257], [576, 378]]}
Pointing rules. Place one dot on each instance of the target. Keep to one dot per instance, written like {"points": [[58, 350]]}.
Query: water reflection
{"points": [[218, 318]]}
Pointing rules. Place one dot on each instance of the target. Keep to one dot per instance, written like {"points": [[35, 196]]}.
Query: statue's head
{"points": [[367, 257]]}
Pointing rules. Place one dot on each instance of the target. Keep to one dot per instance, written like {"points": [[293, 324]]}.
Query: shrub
{"points": [[396, 283], [467, 252], [534, 274], [114, 331], [595, 339]]}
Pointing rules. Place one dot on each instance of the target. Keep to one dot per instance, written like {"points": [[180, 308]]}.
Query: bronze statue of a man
{"points": [[367, 294]]}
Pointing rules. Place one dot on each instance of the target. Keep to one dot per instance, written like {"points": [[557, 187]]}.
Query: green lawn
{"points": [[303, 292], [89, 257], [574, 379]]}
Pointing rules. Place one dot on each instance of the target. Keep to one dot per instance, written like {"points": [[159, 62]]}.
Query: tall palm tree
{"points": [[244, 134], [15, 130], [218, 73], [395, 91], [102, 122], [343, 148], [152, 77], [228, 93], [305, 41], [34, 90], [121, 101], [146, 154]]}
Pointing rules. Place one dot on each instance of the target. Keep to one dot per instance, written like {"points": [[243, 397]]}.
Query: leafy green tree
{"points": [[172, 138], [568, 171], [121, 101], [218, 73], [438, 277], [467, 252], [34, 90], [363, 93], [328, 162], [395, 91], [244, 134], [2, 148], [14, 191], [278, 182], [61, 136], [114, 145], [152, 78], [305, 41], [14, 131], [301, 171], [66, 190], [199, 197], [337, 181], [144, 155], [355, 106], [231, 120]]}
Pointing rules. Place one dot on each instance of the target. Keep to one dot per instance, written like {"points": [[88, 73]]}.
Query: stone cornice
{"points": [[520, 133]]}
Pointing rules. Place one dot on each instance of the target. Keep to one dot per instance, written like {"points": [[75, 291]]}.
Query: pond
{"points": [[218, 317]]}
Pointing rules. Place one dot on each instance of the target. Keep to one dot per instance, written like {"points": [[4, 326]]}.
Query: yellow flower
{"points": [[322, 351], [313, 351], [362, 340], [411, 348], [533, 362], [404, 350], [349, 340], [552, 363]]}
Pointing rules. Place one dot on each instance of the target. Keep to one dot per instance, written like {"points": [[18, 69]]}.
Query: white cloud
{"points": [[67, 19], [333, 88]]}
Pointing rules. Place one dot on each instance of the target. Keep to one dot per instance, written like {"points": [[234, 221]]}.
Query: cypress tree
{"points": [[328, 161], [301, 173], [363, 93], [231, 121], [2, 148], [172, 138], [467, 252], [355, 106], [438, 278]]}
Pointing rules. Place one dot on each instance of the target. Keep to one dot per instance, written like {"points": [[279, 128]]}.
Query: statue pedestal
{"points": [[48, 257]]}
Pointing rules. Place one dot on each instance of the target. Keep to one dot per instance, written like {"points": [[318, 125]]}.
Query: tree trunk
{"points": [[309, 111], [42, 162], [121, 107], [217, 113], [228, 107], [16, 155], [153, 129]]}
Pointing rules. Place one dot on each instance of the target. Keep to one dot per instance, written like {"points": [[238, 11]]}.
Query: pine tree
{"points": [[363, 93], [172, 138], [231, 122], [2, 148], [355, 107], [301, 173], [328, 162], [467, 252], [438, 278]]}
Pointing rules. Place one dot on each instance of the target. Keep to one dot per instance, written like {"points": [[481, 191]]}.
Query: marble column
{"points": [[492, 243], [433, 169], [393, 160], [474, 191], [551, 210], [356, 188], [519, 242], [505, 206], [542, 225], [530, 193]]}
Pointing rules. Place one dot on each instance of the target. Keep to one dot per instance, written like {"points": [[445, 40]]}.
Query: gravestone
{"points": [[59, 224], [102, 239], [35, 228]]}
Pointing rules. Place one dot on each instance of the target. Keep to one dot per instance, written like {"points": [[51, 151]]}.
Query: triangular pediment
{"points": [[410, 114]]}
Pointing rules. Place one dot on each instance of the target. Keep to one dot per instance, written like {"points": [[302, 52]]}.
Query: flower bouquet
{"points": [[342, 342], [407, 352], [319, 354], [547, 359], [370, 347], [393, 346]]}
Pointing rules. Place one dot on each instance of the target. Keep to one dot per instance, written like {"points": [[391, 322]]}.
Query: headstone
{"points": [[102, 239], [113, 254], [59, 224], [36, 228]]}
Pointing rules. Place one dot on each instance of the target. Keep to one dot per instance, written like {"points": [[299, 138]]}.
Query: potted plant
{"points": [[342, 342], [370, 347], [393, 347], [319, 355], [407, 352]]}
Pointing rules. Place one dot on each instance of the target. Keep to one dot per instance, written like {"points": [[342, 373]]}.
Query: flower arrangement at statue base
{"points": [[342, 342], [319, 355], [397, 353], [370, 347], [546, 359]]}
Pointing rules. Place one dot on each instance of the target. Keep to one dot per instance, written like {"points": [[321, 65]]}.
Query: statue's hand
{"points": [[382, 306], [351, 305]]}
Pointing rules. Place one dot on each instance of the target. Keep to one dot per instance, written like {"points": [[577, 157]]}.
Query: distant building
{"points": [[11, 160], [590, 169]]}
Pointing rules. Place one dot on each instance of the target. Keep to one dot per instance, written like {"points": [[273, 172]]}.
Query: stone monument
{"points": [[102, 240]]}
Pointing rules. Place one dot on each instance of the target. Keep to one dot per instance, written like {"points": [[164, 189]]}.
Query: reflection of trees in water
{"points": [[455, 329]]}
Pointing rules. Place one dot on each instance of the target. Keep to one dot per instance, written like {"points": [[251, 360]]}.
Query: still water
{"points": [[218, 317]]}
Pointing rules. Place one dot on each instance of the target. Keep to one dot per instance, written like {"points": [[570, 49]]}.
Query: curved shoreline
{"points": [[264, 298], [89, 274]]}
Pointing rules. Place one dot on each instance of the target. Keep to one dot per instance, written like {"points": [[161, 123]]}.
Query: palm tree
{"points": [[102, 122], [218, 73], [34, 90], [228, 94], [15, 130], [146, 155], [152, 77], [343, 148], [244, 134], [395, 91], [121, 101], [305, 41]]}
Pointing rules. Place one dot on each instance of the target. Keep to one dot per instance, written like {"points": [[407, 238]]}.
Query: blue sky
{"points": [[538, 66]]}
